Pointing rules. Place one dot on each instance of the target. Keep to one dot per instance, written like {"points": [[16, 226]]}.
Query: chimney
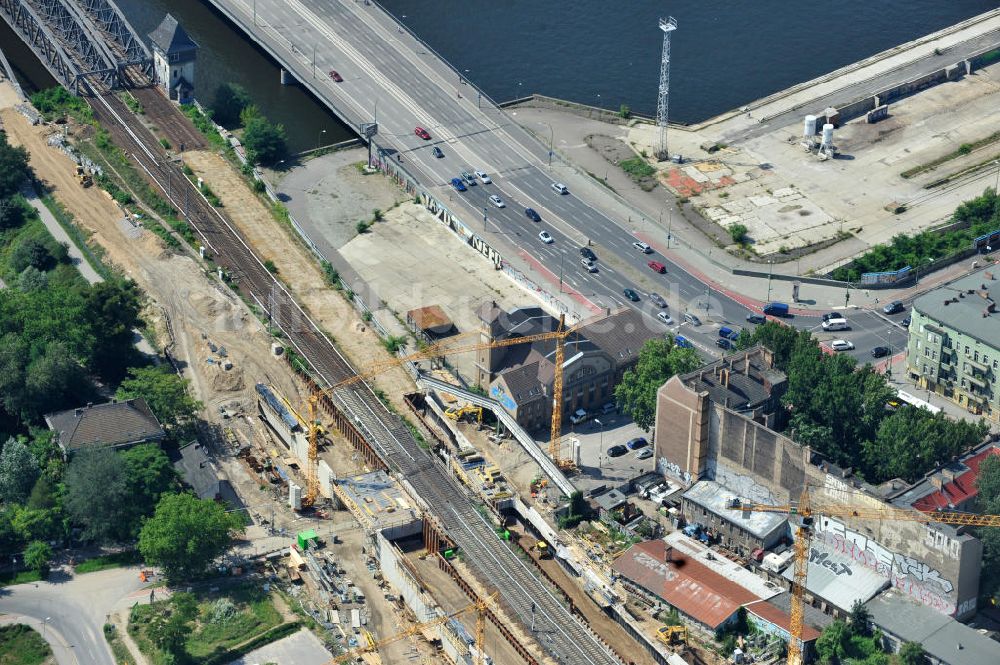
{"points": [[948, 475], [78, 412], [724, 377]]}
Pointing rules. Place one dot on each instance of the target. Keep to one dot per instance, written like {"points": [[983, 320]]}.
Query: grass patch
{"points": [[121, 653], [108, 561], [56, 104], [204, 125], [963, 149], [637, 168], [21, 577], [221, 623], [21, 645]]}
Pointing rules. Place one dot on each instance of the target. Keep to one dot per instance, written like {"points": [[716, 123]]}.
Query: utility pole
{"points": [[667, 25], [770, 268]]}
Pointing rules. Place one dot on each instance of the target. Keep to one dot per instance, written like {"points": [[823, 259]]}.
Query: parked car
{"points": [[728, 333], [881, 351], [692, 319], [895, 307], [617, 451], [437, 152], [588, 264], [776, 309], [422, 133], [546, 238], [588, 253], [532, 215], [458, 184], [579, 416], [608, 407], [631, 295], [664, 318], [643, 247], [484, 177], [497, 201], [724, 344], [636, 443], [469, 179], [841, 345], [560, 188], [657, 300], [756, 319], [656, 266], [336, 76], [905, 322], [645, 453], [683, 342]]}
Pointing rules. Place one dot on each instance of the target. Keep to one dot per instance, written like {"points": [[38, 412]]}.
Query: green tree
{"points": [[911, 440], [860, 618], [12, 212], [34, 524], [738, 232], [186, 534], [230, 100], [18, 471], [50, 381], [13, 167], [32, 279], [165, 392], [659, 359], [988, 502], [832, 644], [97, 496], [10, 539], [38, 556], [112, 312], [31, 252], [265, 141], [150, 476], [912, 653]]}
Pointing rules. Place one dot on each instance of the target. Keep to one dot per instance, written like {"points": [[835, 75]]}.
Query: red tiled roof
{"points": [[962, 488], [773, 615], [683, 582]]}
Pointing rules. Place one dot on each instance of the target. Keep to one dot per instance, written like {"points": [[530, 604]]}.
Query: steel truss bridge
{"points": [[81, 40]]}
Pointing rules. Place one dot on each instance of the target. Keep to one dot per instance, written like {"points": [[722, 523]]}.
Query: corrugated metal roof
{"points": [[682, 582], [771, 614], [838, 579], [714, 497], [717, 563]]}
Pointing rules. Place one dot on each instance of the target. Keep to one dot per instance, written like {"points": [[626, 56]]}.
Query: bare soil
{"points": [[299, 270]]}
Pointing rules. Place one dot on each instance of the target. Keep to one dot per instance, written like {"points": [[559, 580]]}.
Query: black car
{"points": [[588, 253], [756, 318], [895, 307], [905, 322], [880, 352], [617, 451], [724, 343], [532, 215], [832, 315], [631, 295]]}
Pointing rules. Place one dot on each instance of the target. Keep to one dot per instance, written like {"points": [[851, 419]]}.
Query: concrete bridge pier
{"points": [[286, 77]]}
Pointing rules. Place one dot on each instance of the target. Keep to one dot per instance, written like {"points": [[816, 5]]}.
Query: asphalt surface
{"points": [[390, 77], [72, 611]]}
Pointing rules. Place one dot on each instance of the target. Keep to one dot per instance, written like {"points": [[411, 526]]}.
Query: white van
{"points": [[836, 324]]}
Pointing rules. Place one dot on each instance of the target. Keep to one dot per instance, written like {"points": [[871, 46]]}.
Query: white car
{"points": [[643, 247], [560, 188], [545, 237], [588, 264], [645, 453], [482, 175], [841, 345], [664, 318], [497, 201]]}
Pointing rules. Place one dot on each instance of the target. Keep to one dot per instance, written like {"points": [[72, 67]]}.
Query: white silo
{"points": [[827, 137], [809, 126]]}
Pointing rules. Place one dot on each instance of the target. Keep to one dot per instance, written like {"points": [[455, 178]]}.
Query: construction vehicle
{"points": [[543, 549], [456, 414], [370, 645], [83, 177], [671, 635], [442, 349], [805, 509]]}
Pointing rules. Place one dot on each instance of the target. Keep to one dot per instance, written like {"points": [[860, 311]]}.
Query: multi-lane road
{"points": [[392, 78]]}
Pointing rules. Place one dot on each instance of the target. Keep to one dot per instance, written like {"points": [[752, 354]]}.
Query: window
{"points": [[975, 356], [927, 353], [963, 383], [967, 350]]}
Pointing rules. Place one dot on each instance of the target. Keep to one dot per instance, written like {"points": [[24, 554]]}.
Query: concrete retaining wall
{"points": [[405, 584], [609, 116]]}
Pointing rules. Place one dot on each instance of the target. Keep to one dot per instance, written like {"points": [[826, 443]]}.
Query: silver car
{"points": [[657, 299], [497, 201]]}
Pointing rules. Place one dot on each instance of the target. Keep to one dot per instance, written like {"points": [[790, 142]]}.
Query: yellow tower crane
{"points": [[444, 348], [480, 605], [806, 508]]}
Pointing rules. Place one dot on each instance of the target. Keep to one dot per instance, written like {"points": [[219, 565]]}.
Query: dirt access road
{"points": [[300, 272]]}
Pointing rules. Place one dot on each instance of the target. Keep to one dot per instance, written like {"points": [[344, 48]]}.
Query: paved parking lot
{"points": [[596, 436]]}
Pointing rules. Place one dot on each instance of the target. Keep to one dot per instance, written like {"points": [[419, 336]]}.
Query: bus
{"points": [[917, 402]]}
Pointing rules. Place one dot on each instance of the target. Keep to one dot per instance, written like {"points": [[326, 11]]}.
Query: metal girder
{"points": [[91, 53], [110, 19], [39, 38]]}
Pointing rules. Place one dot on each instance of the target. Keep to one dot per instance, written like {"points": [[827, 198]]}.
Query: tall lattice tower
{"points": [[667, 25]]}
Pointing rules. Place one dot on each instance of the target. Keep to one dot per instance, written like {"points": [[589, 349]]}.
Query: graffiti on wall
{"points": [[911, 576], [668, 468]]}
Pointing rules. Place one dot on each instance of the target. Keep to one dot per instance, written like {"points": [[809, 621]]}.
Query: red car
{"points": [[422, 133], [335, 76], [657, 267]]}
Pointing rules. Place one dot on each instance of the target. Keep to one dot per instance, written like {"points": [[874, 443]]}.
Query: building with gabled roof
{"points": [[174, 55], [520, 376], [111, 425]]}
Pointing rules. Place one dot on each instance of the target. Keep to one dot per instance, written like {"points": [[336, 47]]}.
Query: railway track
{"points": [[560, 633]]}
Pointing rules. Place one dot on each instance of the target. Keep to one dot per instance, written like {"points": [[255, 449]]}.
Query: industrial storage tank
{"points": [[827, 135], [809, 126]]}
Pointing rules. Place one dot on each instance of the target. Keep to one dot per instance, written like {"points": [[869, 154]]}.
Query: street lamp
{"points": [[770, 268], [45, 625], [601, 425]]}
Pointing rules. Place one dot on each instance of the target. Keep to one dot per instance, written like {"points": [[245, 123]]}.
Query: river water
{"points": [[724, 54]]}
